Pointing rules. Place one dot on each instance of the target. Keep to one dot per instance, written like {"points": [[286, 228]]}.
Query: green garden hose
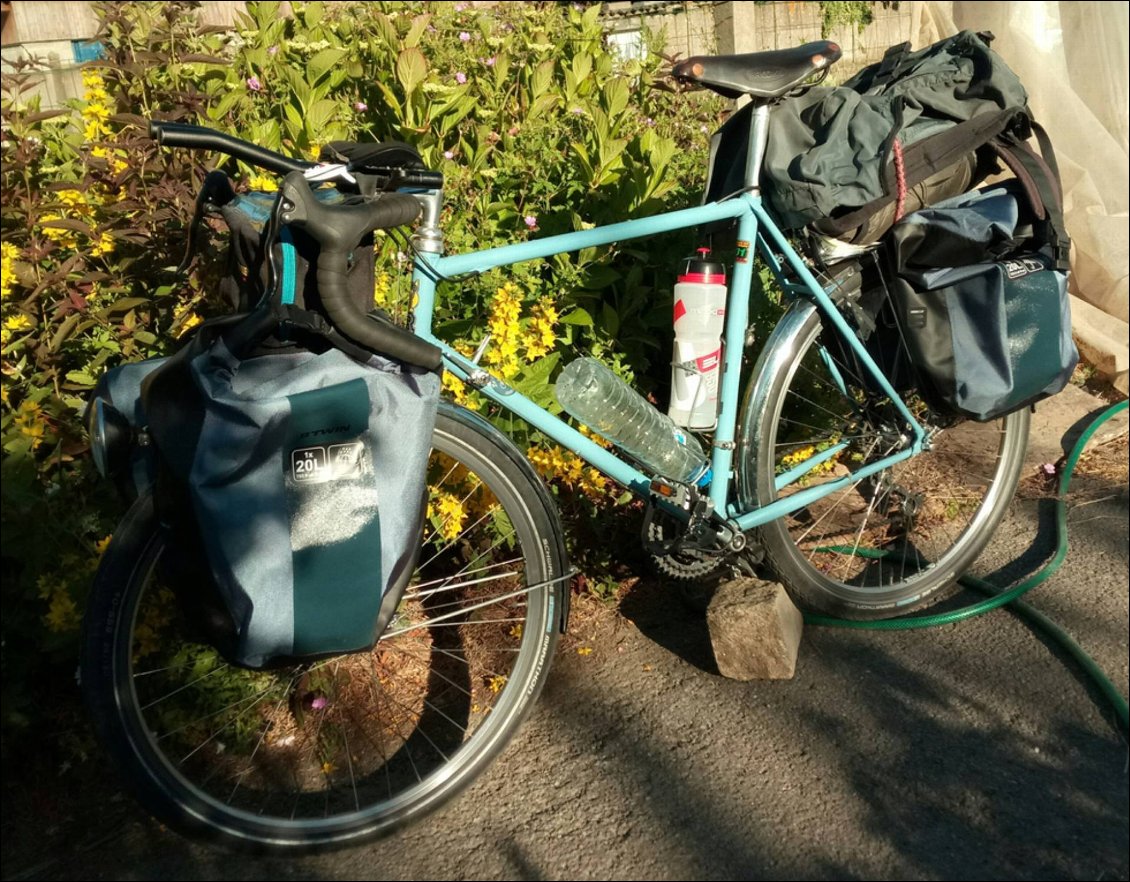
{"points": [[997, 598]]}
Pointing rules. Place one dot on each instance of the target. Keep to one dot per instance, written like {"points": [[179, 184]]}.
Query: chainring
{"points": [[687, 564]]}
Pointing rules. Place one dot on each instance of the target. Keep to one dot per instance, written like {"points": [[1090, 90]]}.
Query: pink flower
{"points": [[459, 7], [319, 702], [1049, 468], [274, 50], [360, 106], [464, 37], [460, 78], [489, 62], [531, 221], [512, 131], [447, 154], [254, 84]]}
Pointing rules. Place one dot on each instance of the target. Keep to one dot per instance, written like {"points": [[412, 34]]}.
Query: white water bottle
{"points": [[602, 401], [700, 314]]}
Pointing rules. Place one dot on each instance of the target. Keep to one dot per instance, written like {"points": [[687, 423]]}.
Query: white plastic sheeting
{"points": [[1073, 59]]}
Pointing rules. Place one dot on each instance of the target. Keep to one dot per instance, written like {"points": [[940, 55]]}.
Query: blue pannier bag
{"points": [[289, 482], [981, 300]]}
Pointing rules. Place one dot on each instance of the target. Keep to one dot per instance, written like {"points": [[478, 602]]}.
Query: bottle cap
{"points": [[703, 270]]}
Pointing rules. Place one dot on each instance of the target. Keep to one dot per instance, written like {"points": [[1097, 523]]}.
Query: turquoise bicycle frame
{"points": [[755, 226]]}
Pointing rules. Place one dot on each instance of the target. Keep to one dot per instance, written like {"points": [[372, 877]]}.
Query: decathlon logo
{"points": [[333, 430]]}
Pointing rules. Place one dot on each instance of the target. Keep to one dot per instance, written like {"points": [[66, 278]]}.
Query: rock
{"points": [[755, 630]]}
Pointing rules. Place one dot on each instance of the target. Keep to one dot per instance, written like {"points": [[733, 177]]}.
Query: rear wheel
{"points": [[343, 749], [898, 540]]}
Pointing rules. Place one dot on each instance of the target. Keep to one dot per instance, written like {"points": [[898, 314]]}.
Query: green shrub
{"points": [[537, 127]]}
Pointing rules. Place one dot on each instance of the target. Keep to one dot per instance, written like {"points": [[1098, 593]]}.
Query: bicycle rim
{"points": [[350, 747], [897, 541]]}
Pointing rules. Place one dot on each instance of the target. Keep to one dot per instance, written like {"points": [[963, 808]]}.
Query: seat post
{"points": [[758, 141]]}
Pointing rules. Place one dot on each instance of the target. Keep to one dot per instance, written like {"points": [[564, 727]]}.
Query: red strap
{"points": [[900, 180]]}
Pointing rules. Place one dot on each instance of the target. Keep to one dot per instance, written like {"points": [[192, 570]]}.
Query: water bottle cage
{"points": [[688, 367]]}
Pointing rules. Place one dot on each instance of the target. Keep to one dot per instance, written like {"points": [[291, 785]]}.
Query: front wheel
{"points": [[343, 749], [887, 544]]}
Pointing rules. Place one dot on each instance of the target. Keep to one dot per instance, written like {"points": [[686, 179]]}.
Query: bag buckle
{"points": [[1062, 254]]}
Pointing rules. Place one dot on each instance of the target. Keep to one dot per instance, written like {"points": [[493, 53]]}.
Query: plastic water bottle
{"points": [[700, 313], [606, 404]]}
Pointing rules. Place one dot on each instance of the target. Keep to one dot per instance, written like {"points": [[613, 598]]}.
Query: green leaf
{"points": [[411, 69], [386, 30], [66, 223], [81, 378], [318, 66], [543, 104], [542, 78], [419, 25], [224, 105], [601, 277], [577, 317], [610, 319], [581, 154], [449, 113], [616, 97], [318, 117], [534, 383], [313, 13], [582, 67]]}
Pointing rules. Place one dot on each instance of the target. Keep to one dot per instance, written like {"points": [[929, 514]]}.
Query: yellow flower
{"points": [[8, 255], [66, 238], [496, 683], [540, 336], [185, 318], [102, 544], [592, 436], [104, 245], [96, 109], [505, 330], [16, 323], [449, 510], [265, 183], [556, 463], [584, 650], [458, 391], [62, 612], [71, 198], [382, 285]]}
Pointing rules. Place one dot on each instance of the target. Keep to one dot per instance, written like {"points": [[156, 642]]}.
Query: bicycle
{"points": [[820, 465]]}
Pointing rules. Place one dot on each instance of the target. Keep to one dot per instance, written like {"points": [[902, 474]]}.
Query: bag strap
{"points": [[216, 190], [924, 158], [891, 67], [287, 323], [290, 262], [1038, 174]]}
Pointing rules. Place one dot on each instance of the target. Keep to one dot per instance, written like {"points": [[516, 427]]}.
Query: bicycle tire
{"points": [[347, 749], [880, 547]]}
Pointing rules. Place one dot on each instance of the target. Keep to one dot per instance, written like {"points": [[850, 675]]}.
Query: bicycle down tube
{"points": [[760, 235]]}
